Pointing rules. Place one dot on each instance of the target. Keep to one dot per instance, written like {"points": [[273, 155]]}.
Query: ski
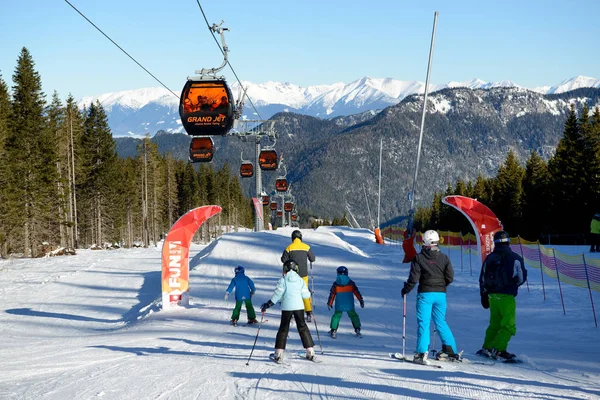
{"points": [[272, 358], [302, 354], [398, 356], [359, 335], [494, 360]]}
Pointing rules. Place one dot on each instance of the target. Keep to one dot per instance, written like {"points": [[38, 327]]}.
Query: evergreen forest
{"points": [[540, 200], [63, 185]]}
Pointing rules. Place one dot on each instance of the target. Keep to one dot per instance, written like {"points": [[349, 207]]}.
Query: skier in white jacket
{"points": [[291, 290]]}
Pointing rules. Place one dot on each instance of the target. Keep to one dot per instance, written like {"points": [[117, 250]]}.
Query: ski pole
{"points": [[317, 329], [256, 338], [433, 351], [404, 327]]}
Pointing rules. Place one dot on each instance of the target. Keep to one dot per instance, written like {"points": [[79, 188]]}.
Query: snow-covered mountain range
{"points": [[137, 112]]}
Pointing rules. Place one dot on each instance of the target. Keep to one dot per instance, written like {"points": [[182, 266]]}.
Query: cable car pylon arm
{"points": [[212, 72]]}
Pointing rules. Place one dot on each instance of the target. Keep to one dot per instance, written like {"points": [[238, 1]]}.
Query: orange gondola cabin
{"points": [[267, 160], [273, 206], [287, 207], [294, 217], [265, 200], [279, 214], [247, 170], [206, 107], [201, 149], [281, 184]]}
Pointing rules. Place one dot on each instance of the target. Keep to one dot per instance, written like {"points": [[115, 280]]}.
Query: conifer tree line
{"points": [[62, 184], [555, 197]]}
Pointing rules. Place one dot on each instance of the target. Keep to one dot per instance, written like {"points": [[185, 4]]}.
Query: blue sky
{"points": [[532, 43]]}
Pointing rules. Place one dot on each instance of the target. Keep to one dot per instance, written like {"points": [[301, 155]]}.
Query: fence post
{"points": [[461, 252], [523, 257], [589, 289], [542, 269], [448, 241], [558, 279], [470, 264]]}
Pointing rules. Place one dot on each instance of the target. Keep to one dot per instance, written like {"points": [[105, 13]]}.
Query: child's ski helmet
{"points": [[501, 237], [239, 269], [290, 265], [342, 270]]}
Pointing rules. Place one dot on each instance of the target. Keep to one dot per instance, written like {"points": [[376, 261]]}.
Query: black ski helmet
{"points": [[296, 235], [502, 238], [290, 265], [342, 270], [239, 269]]}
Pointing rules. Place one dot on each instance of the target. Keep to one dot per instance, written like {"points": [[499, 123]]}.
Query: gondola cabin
{"points": [[265, 200], [294, 217], [287, 206], [281, 185], [206, 107], [279, 214], [273, 206], [247, 170], [267, 160], [201, 149]]}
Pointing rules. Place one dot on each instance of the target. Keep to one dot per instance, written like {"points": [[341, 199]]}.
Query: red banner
{"points": [[482, 219], [175, 256]]}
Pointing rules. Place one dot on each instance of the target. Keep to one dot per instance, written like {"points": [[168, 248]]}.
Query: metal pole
{"points": [[461, 252], [414, 188], [523, 257], [589, 289], [367, 200], [558, 279], [542, 270], [262, 316], [404, 327], [379, 195], [257, 224]]}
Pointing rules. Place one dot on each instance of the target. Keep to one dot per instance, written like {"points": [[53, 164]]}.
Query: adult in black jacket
{"points": [[433, 271]]}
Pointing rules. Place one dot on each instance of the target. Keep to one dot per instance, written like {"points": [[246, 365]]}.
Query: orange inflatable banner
{"points": [[482, 219], [175, 256]]}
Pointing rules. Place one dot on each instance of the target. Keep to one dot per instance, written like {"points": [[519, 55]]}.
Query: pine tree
{"points": [[509, 190], [58, 141], [588, 128], [568, 179], [30, 157], [5, 111], [537, 216], [99, 164]]}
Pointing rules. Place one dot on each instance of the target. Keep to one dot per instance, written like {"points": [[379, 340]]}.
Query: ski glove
{"points": [[362, 304], [404, 290], [266, 305], [226, 295], [485, 301], [328, 307], [251, 294]]}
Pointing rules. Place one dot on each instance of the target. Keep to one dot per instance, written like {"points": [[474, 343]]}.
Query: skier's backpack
{"points": [[495, 278]]}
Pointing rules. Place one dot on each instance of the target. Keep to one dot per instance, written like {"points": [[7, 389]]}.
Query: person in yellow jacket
{"points": [[595, 234], [301, 253]]}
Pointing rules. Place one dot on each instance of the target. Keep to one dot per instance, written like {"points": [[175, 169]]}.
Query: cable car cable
{"points": [[120, 48]]}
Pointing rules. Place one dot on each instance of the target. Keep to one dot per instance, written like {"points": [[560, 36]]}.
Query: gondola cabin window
{"points": [[206, 108], [267, 160]]}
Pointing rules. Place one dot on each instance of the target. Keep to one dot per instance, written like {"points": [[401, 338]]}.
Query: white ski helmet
{"points": [[431, 238]]}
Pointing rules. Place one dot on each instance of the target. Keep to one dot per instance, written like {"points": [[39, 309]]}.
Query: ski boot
{"points": [[333, 333], [420, 358], [277, 356], [357, 331], [485, 352], [447, 354], [252, 321], [309, 316], [310, 353], [234, 322], [503, 355]]}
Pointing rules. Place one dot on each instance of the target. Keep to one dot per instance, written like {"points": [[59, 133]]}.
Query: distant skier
{"points": [[343, 291], [300, 252], [502, 272], [244, 290], [408, 245], [433, 271], [290, 290], [595, 234]]}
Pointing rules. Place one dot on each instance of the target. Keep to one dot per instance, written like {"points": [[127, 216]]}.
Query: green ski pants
{"points": [[238, 307], [335, 319], [503, 309]]}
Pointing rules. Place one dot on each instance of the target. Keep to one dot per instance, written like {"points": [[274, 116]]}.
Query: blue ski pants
{"points": [[432, 304]]}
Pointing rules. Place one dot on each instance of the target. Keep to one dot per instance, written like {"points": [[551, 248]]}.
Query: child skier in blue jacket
{"points": [[244, 290], [343, 291]]}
